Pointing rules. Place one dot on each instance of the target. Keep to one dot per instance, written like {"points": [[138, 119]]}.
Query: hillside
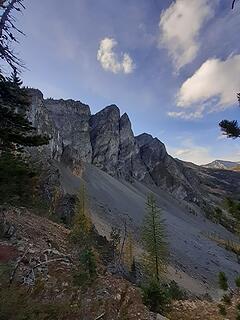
{"points": [[43, 287], [119, 171], [45, 264], [109, 210]]}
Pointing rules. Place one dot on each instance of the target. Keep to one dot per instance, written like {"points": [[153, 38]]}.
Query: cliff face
{"points": [[106, 140]]}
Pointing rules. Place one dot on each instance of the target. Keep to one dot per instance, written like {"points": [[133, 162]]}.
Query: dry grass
{"points": [[202, 310], [229, 245], [112, 296]]}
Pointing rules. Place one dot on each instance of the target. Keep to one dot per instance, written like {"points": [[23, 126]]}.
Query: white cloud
{"points": [[190, 152], [197, 155], [180, 26], [198, 114], [221, 137], [215, 79], [110, 60]]}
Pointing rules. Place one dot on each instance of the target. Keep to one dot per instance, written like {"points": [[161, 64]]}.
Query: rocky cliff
{"points": [[106, 140]]}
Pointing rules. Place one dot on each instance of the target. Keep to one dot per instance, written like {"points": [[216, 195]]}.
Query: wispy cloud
{"points": [[180, 26], [109, 59], [185, 115], [189, 151]]}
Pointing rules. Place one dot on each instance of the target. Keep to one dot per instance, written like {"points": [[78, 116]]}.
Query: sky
{"points": [[173, 66]]}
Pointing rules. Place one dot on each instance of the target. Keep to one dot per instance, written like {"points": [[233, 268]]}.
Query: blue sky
{"points": [[173, 66]]}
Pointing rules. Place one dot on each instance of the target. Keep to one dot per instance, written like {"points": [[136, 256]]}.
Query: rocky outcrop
{"points": [[152, 150], [105, 138], [165, 171], [66, 123], [130, 165], [71, 122]]}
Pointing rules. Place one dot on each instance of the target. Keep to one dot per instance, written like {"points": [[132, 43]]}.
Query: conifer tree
{"points": [[88, 263], [16, 131], [115, 239], [231, 128], [129, 252], [8, 28], [223, 281], [82, 224], [15, 79], [153, 240]]}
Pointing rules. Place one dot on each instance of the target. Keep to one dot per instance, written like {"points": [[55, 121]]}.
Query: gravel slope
{"points": [[195, 260]]}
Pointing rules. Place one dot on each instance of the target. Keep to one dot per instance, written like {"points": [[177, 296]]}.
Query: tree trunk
{"points": [[5, 15], [155, 242]]}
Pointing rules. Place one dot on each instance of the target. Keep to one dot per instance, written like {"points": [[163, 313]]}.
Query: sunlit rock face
{"points": [[66, 122], [71, 122]]}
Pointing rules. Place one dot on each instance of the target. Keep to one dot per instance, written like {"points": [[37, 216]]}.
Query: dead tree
{"points": [[7, 30]]}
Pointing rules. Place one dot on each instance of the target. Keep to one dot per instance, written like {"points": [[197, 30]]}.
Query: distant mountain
{"points": [[221, 164]]}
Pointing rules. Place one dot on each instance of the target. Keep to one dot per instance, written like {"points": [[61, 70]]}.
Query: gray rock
{"points": [[130, 165], [152, 151], [104, 133], [159, 317], [71, 122], [7, 229], [66, 123]]}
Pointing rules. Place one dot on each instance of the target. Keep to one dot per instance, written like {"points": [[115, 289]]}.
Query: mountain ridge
{"points": [[222, 164], [120, 170], [106, 140]]}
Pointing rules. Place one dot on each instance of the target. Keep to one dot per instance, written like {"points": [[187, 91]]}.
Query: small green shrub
{"points": [[88, 261], [237, 282], [226, 299], [156, 297], [87, 270], [223, 281], [175, 292], [17, 181], [80, 279], [16, 303], [222, 310]]}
